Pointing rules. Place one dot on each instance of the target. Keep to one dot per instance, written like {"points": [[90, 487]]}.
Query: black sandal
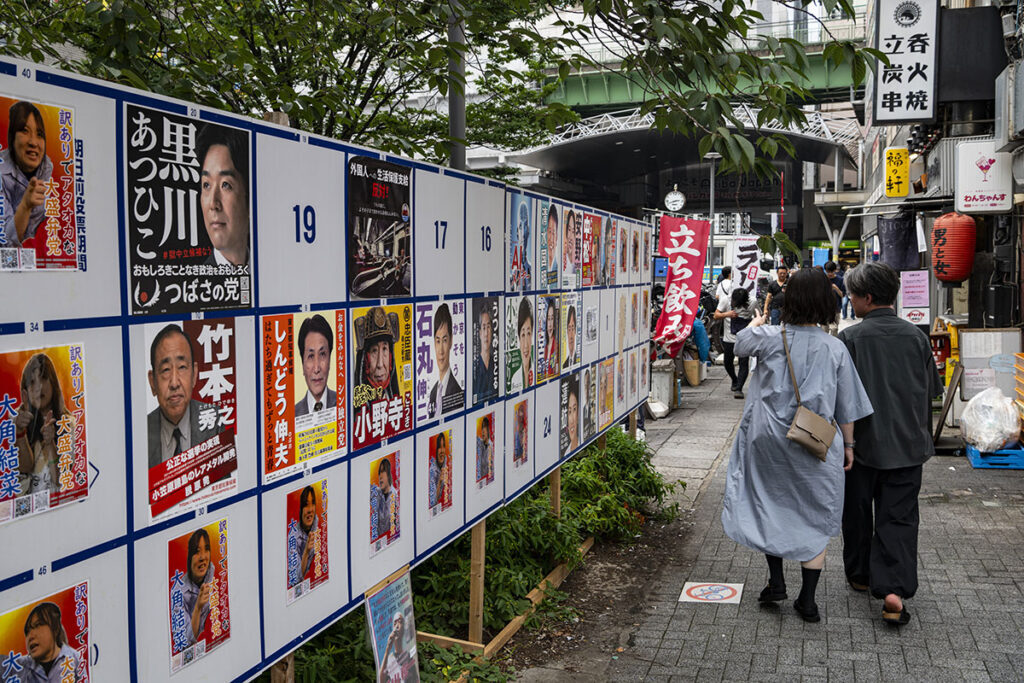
{"points": [[896, 618], [772, 593]]}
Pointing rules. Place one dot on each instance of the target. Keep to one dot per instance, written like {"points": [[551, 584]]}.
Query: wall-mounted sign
{"points": [[897, 171], [984, 178], [907, 32]]}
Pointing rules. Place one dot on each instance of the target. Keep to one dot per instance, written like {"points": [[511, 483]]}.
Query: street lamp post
{"points": [[713, 157]]}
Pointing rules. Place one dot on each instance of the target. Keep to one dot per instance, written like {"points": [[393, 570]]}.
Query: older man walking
{"points": [[895, 364]]}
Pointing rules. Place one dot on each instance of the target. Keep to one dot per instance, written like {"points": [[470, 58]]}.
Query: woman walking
{"points": [[779, 499], [736, 312]]}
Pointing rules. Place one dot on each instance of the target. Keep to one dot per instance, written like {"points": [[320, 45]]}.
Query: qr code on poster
{"points": [[28, 259], [8, 259]]}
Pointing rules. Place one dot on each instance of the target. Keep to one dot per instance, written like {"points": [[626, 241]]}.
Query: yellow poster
{"points": [[897, 171]]}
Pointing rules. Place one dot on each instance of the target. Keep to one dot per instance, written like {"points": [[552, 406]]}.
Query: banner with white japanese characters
{"points": [[685, 243], [907, 33], [746, 265]]}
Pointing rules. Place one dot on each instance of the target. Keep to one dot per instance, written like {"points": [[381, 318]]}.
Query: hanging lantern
{"points": [[953, 236]]}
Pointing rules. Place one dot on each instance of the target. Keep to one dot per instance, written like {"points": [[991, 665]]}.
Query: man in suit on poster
{"points": [[446, 394], [316, 341]]}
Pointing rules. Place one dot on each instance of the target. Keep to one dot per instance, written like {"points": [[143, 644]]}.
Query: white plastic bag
{"points": [[990, 421]]}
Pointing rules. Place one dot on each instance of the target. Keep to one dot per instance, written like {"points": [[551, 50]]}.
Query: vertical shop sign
{"points": [[907, 33]]}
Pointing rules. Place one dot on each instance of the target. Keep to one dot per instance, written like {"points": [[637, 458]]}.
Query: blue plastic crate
{"points": [[1007, 459]]}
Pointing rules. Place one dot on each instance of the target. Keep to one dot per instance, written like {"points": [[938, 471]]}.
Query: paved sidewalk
{"points": [[968, 616]]}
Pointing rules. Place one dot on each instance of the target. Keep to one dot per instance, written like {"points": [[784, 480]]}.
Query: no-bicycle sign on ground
{"points": [[711, 592]]}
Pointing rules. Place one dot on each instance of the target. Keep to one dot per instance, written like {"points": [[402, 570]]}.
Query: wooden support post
{"points": [[602, 441], [476, 582], [632, 424], [284, 670], [555, 484]]}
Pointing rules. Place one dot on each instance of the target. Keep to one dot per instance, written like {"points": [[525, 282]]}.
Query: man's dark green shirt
{"points": [[895, 364]]}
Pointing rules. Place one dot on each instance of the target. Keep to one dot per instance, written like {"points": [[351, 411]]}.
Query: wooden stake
{"points": [[284, 670], [555, 484], [476, 582], [602, 441], [632, 424]]}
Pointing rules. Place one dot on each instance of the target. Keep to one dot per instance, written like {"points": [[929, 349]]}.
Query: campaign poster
{"points": [[645, 254], [485, 327], [608, 247], [635, 250], [550, 245], [632, 376], [304, 390], [385, 485], [588, 389], [643, 372], [306, 510], [188, 196], [382, 386], [389, 613], [521, 434], [597, 248], [191, 418], [47, 639], [645, 312], [41, 165], [571, 228], [591, 227], [439, 472], [520, 246], [606, 392], [43, 459], [484, 470], [569, 414], [572, 330], [620, 378], [621, 331], [197, 572], [591, 325], [548, 365], [519, 349], [379, 229], [634, 303], [440, 358], [623, 246]]}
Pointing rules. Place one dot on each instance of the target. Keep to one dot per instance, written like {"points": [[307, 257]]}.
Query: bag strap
{"points": [[789, 362]]}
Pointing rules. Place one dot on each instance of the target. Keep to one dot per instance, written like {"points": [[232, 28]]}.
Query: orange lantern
{"points": [[953, 237]]}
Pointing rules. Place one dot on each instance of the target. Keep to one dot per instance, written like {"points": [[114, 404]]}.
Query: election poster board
{"points": [[389, 613], [307, 539]]}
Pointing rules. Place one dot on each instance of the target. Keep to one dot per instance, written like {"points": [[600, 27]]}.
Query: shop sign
{"points": [[914, 296], [907, 32], [897, 171], [984, 178]]}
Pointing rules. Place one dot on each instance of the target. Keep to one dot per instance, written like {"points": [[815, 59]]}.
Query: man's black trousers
{"points": [[880, 522]]}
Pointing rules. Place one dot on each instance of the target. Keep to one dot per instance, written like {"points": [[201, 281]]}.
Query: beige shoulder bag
{"points": [[808, 429]]}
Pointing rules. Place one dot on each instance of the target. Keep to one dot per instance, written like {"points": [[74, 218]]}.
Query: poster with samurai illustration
{"points": [[382, 386]]}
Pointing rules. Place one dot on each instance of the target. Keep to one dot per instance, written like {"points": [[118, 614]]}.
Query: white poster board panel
{"points": [[100, 516], [518, 457], [440, 233], [484, 487], [546, 427], [73, 293], [241, 650], [606, 330], [485, 217], [246, 412], [439, 511], [300, 199], [284, 621], [372, 561], [591, 323]]}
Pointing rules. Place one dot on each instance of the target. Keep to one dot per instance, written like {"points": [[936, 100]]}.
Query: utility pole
{"points": [[456, 88], [713, 157]]}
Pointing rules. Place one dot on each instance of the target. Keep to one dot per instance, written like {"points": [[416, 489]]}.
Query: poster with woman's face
{"points": [[307, 563], [382, 382], [520, 242], [485, 330], [572, 330], [550, 245], [521, 434], [42, 226], [197, 572], [606, 393], [439, 472], [611, 228], [548, 364], [623, 251], [47, 635], [43, 458], [385, 484], [569, 414], [571, 228], [588, 391], [519, 343], [484, 450]]}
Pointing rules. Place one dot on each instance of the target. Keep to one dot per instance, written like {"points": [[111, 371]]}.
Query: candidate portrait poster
{"points": [[382, 385], [520, 244], [385, 486], [571, 229], [634, 308], [550, 245], [591, 325], [591, 231], [521, 434], [389, 613], [306, 540], [47, 639], [191, 417], [42, 197], [439, 472], [623, 246], [620, 379], [380, 229], [188, 198], [197, 573], [606, 393], [572, 330], [632, 376], [519, 343], [608, 251], [635, 252], [549, 322], [440, 358], [43, 458], [642, 380], [569, 414], [484, 469], [588, 394], [485, 330]]}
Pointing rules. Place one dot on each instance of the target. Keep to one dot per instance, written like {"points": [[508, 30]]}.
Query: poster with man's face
{"points": [[43, 458], [382, 382], [439, 472], [572, 330], [50, 634], [389, 613], [591, 325], [610, 240], [42, 207], [548, 359], [550, 244], [485, 330], [304, 391], [484, 450], [197, 573], [591, 228], [571, 229], [191, 413], [440, 358], [569, 414], [306, 540], [188, 213], [519, 343], [380, 229], [588, 391], [385, 484]]}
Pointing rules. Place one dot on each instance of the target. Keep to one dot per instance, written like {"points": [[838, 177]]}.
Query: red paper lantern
{"points": [[953, 236]]}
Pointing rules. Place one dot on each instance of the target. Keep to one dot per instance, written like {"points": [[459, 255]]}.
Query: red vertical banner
{"points": [[685, 243], [279, 388]]}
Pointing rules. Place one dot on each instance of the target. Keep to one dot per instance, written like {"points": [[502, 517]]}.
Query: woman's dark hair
{"points": [[193, 549], [809, 299], [42, 364], [525, 314], [740, 297], [48, 614], [384, 466], [18, 117], [306, 494], [874, 278], [440, 440]]}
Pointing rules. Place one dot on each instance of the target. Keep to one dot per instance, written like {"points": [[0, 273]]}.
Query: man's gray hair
{"points": [[874, 278]]}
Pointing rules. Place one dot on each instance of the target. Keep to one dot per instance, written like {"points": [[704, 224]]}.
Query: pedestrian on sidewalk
{"points": [[735, 311], [838, 288], [724, 287], [894, 361], [779, 499], [776, 294]]}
